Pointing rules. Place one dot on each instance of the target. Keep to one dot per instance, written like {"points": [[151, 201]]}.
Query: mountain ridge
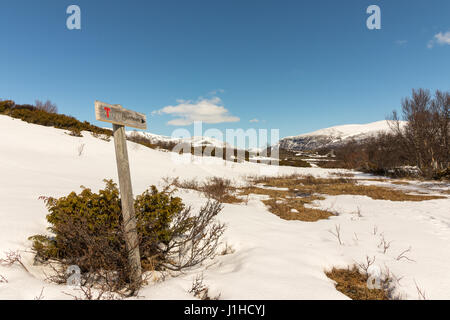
{"points": [[335, 136]]}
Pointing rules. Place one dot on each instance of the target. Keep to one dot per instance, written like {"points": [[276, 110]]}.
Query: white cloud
{"points": [[254, 120], [206, 110], [440, 38]]}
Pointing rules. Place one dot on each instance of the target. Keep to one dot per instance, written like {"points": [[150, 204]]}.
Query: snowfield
{"points": [[272, 258]]}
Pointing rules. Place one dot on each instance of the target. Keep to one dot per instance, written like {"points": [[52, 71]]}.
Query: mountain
{"points": [[196, 141], [334, 136]]}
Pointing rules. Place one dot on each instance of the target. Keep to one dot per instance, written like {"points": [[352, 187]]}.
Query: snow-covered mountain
{"points": [[334, 136], [196, 141]]}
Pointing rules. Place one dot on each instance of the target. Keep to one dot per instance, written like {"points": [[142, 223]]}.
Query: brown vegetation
{"points": [[353, 283], [216, 188], [339, 186]]}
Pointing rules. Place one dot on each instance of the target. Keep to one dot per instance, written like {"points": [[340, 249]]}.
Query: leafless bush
{"points": [[420, 292], [193, 238], [357, 213], [96, 292], [426, 137], [385, 245], [47, 106], [364, 266], [337, 233], [200, 290], [375, 230], [403, 255], [227, 250], [215, 188], [41, 295], [3, 279], [13, 257]]}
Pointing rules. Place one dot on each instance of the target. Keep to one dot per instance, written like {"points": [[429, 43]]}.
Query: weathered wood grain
{"points": [[116, 114], [128, 212]]}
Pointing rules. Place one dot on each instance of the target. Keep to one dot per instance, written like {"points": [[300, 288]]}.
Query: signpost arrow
{"points": [[116, 114], [121, 117]]}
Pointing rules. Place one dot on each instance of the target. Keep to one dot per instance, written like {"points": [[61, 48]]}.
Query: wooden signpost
{"points": [[121, 117]]}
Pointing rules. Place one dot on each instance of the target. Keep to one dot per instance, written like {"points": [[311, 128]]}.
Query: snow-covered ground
{"points": [[272, 259]]}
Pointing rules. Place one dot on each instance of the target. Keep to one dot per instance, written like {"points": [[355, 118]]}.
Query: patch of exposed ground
{"points": [[291, 197], [353, 284]]}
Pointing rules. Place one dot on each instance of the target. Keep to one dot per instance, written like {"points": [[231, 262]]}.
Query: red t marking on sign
{"points": [[107, 111]]}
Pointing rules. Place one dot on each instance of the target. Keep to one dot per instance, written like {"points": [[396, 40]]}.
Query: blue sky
{"points": [[296, 66]]}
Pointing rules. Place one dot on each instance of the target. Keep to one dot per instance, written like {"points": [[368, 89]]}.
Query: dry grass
{"points": [[353, 284], [343, 174], [288, 205], [295, 191], [340, 186], [216, 188], [401, 182]]}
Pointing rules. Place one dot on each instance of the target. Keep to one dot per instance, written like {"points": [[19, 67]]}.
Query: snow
{"points": [[272, 258]]}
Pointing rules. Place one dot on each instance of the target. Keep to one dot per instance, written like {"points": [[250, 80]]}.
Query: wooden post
{"points": [[121, 117], [128, 213]]}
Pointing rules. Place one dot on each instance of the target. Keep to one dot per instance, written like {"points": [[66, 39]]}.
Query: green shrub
{"points": [[87, 231], [4, 105], [31, 114]]}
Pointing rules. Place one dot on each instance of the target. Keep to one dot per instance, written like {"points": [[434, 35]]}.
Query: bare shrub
{"points": [[384, 244], [337, 233], [215, 188], [13, 257], [364, 266], [357, 213], [227, 250], [46, 106], [200, 290], [41, 295], [3, 279], [193, 239], [420, 292], [403, 255]]}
